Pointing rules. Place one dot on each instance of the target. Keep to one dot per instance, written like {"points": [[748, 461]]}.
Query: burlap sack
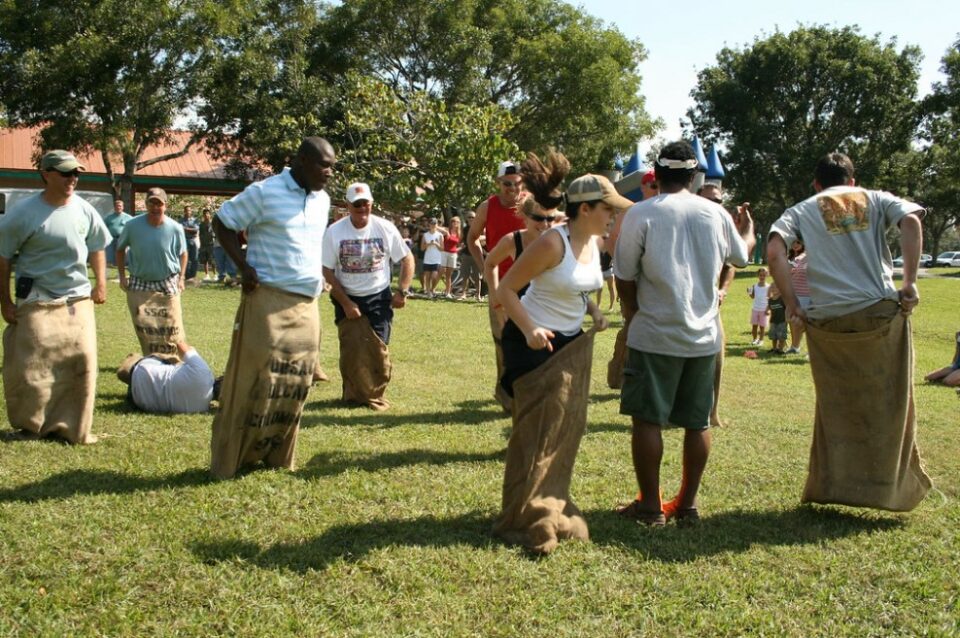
{"points": [[157, 320], [864, 450], [549, 418], [618, 360], [273, 353], [364, 364], [50, 369], [499, 393]]}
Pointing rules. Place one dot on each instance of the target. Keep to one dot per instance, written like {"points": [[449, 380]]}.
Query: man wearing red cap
{"points": [[50, 343]]}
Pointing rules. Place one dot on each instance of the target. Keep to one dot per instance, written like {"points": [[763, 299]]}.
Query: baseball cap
{"points": [[358, 191], [591, 188], [157, 193], [60, 161], [507, 168], [648, 177]]}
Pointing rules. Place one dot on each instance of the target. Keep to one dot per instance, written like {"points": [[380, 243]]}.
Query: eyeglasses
{"points": [[65, 174], [543, 218]]}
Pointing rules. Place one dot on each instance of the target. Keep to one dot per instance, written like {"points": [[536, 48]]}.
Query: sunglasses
{"points": [[543, 218], [65, 174]]}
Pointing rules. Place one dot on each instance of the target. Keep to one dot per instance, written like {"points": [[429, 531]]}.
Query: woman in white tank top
{"points": [[562, 268]]}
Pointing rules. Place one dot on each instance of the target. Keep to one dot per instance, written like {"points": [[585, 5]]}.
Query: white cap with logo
{"points": [[358, 191]]}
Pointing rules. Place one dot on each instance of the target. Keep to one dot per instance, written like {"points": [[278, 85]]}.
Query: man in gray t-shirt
{"points": [[667, 263], [861, 353]]}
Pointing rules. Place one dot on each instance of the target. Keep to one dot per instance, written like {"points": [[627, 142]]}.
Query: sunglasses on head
{"points": [[65, 174], [543, 218]]}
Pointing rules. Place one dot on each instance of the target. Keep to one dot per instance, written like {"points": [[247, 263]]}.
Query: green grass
{"points": [[383, 529]]}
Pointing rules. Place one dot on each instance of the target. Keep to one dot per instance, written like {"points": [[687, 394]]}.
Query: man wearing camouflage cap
{"points": [[50, 343]]}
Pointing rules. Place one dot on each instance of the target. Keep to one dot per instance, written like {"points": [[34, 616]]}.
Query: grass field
{"points": [[383, 530]]}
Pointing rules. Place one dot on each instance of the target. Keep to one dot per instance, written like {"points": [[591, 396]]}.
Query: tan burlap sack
{"points": [[273, 353], [364, 364], [499, 393], [157, 320], [549, 418], [618, 360], [864, 450], [50, 369]]}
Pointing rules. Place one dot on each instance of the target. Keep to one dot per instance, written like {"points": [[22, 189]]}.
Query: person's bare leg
{"points": [[762, 331], [696, 451], [613, 294], [647, 449], [753, 331]]}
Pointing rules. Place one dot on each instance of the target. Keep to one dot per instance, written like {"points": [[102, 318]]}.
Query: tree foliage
{"points": [[784, 101], [106, 75], [420, 152], [567, 79]]}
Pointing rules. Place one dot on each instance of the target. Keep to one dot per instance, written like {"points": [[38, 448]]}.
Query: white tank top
{"points": [[557, 298]]}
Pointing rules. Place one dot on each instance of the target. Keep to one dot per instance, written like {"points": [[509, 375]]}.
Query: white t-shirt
{"points": [[673, 246], [760, 296], [163, 388], [362, 257], [432, 254], [843, 229]]}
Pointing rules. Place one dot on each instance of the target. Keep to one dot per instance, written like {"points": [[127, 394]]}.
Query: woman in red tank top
{"points": [[448, 259]]}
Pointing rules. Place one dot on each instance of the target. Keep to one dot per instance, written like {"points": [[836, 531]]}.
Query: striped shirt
{"points": [[284, 228]]}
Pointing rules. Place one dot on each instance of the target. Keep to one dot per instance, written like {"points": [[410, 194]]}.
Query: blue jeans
{"points": [[225, 265], [191, 259]]}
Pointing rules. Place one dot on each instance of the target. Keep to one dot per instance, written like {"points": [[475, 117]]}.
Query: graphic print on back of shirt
{"points": [[844, 212], [362, 255]]}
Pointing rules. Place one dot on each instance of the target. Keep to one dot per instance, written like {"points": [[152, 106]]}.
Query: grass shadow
{"points": [[736, 531], [92, 482], [325, 464], [352, 542], [466, 413]]}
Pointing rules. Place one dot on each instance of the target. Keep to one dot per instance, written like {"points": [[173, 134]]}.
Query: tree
{"points": [[108, 76], [420, 152], [783, 102], [269, 88], [567, 79], [941, 128]]}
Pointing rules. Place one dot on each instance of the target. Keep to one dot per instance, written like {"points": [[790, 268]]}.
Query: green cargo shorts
{"points": [[666, 390]]}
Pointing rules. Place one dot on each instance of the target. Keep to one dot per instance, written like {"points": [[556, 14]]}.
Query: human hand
{"points": [[124, 285], [9, 311], [539, 338], [248, 278], [398, 300], [600, 321], [909, 297], [352, 311], [744, 219], [180, 284], [99, 293]]}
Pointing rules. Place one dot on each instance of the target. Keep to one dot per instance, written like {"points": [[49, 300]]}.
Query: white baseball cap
{"points": [[359, 190], [507, 168]]}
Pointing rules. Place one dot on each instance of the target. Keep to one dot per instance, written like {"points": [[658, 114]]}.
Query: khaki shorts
{"points": [[665, 390]]}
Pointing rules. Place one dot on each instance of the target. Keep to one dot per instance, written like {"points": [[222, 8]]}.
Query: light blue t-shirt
{"points": [[54, 243], [153, 252], [115, 223], [284, 227]]}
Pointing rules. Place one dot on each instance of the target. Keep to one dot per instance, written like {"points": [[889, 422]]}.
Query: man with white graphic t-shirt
{"points": [[358, 253]]}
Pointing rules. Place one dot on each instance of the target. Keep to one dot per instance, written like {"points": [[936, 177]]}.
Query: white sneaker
{"points": [[755, 342]]}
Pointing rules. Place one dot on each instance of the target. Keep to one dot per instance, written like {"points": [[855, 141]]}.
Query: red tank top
{"points": [[450, 243], [501, 221]]}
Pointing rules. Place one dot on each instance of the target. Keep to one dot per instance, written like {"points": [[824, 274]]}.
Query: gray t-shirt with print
{"points": [[674, 246], [843, 230]]}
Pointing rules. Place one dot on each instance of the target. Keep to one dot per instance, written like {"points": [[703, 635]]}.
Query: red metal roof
{"points": [[19, 145]]}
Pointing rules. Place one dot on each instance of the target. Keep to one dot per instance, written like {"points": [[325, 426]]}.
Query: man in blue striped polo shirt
{"points": [[276, 333]]}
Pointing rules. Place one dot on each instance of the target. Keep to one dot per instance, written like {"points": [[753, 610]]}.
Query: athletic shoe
{"points": [[792, 350]]}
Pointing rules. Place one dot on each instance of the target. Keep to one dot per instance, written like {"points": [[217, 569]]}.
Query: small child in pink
{"points": [[758, 314]]}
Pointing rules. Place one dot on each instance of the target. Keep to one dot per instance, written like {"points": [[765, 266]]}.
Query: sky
{"points": [[681, 42]]}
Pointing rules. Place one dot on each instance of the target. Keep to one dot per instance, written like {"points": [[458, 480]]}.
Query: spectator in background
{"points": [[115, 222], [191, 230], [448, 260], [431, 242], [205, 255]]}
